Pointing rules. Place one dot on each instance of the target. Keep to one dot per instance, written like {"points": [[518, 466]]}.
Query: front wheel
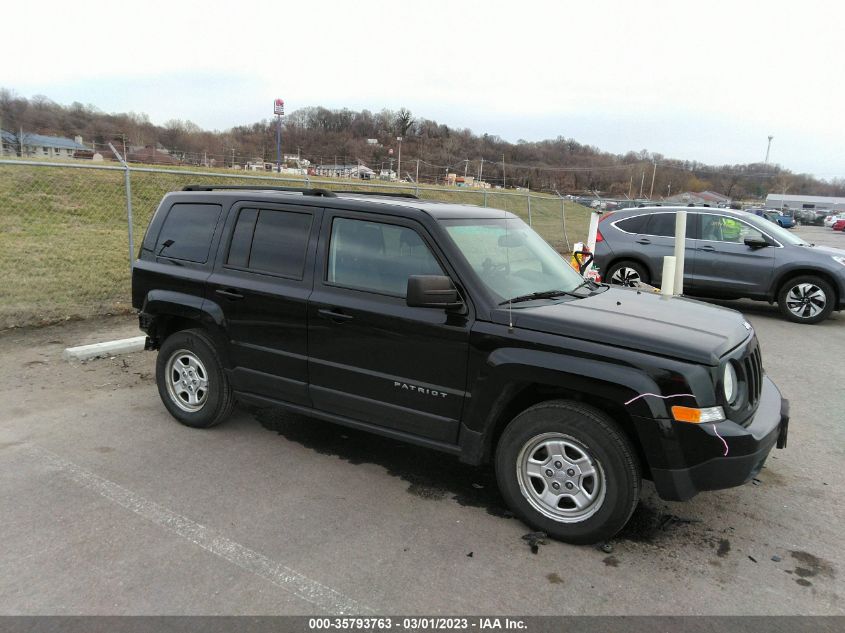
{"points": [[806, 299], [567, 469]]}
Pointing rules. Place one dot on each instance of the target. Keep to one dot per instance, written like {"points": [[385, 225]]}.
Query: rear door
{"points": [[261, 282], [724, 265], [371, 357], [658, 241]]}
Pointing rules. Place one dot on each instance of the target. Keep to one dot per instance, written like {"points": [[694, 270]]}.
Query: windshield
{"points": [[778, 232], [510, 258]]}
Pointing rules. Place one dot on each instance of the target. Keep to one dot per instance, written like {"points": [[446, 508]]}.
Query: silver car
{"points": [[729, 255]]}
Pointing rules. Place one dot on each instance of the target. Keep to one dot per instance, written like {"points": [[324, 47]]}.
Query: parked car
{"points": [[781, 219], [839, 225], [832, 219], [729, 255], [814, 217], [457, 328]]}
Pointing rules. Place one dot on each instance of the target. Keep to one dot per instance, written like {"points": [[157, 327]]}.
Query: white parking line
{"points": [[288, 579]]}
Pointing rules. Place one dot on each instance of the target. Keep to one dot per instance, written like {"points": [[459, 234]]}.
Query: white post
{"points": [[594, 228], [680, 250], [667, 287]]}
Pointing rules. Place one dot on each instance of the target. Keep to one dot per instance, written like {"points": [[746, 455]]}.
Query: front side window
{"points": [[510, 258], [377, 257], [720, 228], [187, 232]]}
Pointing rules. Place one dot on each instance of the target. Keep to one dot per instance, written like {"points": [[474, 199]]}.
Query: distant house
{"points": [[40, 146], [701, 197], [151, 155], [347, 170]]}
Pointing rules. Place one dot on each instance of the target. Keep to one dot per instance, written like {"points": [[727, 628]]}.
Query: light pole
{"points": [[768, 148], [399, 162], [279, 111]]}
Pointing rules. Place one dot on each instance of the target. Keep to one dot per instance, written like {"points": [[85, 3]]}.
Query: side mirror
{"points": [[431, 291], [756, 242]]}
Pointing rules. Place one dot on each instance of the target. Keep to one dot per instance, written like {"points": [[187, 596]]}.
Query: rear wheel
{"points": [[806, 299], [191, 381], [627, 273], [568, 470]]}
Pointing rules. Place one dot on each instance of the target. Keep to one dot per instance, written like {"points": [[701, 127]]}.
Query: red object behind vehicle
{"points": [[839, 225]]}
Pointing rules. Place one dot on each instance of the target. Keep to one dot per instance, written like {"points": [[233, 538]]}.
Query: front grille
{"points": [[752, 365]]}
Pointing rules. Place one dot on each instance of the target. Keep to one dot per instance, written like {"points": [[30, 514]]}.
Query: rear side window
{"points": [[187, 231], [636, 224], [663, 225], [270, 241]]}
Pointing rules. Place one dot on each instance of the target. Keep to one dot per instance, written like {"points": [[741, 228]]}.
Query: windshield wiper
{"points": [[546, 294]]}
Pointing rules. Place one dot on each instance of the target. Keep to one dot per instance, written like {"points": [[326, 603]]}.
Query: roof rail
{"points": [[382, 193], [305, 191]]}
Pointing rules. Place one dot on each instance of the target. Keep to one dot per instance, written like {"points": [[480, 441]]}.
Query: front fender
{"points": [[624, 385]]}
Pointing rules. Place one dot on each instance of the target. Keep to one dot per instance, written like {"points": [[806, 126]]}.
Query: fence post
{"points": [[128, 187], [529, 208]]}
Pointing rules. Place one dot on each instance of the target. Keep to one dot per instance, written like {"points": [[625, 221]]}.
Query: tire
{"points": [[202, 396], [806, 299], [587, 439], [627, 273]]}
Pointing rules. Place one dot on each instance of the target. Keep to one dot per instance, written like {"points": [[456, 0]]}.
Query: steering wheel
{"points": [[490, 268]]}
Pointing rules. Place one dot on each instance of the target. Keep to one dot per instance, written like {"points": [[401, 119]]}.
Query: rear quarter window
{"points": [[187, 231], [635, 224]]}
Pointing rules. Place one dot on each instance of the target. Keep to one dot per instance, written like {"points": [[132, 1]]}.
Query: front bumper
{"points": [[740, 452]]}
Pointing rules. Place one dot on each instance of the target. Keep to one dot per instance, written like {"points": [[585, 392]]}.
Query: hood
{"points": [[828, 251], [644, 321]]}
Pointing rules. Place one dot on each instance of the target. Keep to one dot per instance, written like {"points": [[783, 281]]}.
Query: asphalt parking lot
{"points": [[109, 506]]}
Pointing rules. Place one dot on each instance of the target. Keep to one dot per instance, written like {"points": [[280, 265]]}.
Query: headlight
{"points": [[839, 259], [729, 383]]}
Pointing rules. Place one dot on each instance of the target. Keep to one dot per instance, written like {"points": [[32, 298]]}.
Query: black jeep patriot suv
{"points": [[457, 328]]}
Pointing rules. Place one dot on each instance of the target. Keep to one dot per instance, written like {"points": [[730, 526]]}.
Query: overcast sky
{"points": [[707, 81]]}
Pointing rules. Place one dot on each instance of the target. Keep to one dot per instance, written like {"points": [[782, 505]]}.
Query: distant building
{"points": [[781, 201], [346, 170], [40, 146], [701, 197]]}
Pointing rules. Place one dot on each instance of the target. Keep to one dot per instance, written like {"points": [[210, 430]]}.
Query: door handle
{"points": [[331, 315], [709, 249], [230, 294], [643, 241]]}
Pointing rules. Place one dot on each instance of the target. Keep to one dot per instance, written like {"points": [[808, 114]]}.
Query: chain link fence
{"points": [[64, 228]]}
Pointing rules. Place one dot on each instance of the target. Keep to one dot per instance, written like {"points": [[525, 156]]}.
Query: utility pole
{"points": [[642, 182], [630, 186], [669, 192], [418, 171], [233, 158], [466, 166], [653, 174], [768, 148], [399, 162], [480, 169], [503, 171]]}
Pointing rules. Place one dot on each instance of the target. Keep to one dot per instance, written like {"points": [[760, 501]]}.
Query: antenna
{"points": [[508, 260]]}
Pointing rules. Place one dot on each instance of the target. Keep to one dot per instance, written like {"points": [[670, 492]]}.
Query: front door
{"points": [[724, 265], [371, 357]]}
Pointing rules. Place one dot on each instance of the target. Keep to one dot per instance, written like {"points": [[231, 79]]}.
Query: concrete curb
{"points": [[109, 348]]}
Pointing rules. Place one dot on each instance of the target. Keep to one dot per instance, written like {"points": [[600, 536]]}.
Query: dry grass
{"points": [[64, 246]]}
